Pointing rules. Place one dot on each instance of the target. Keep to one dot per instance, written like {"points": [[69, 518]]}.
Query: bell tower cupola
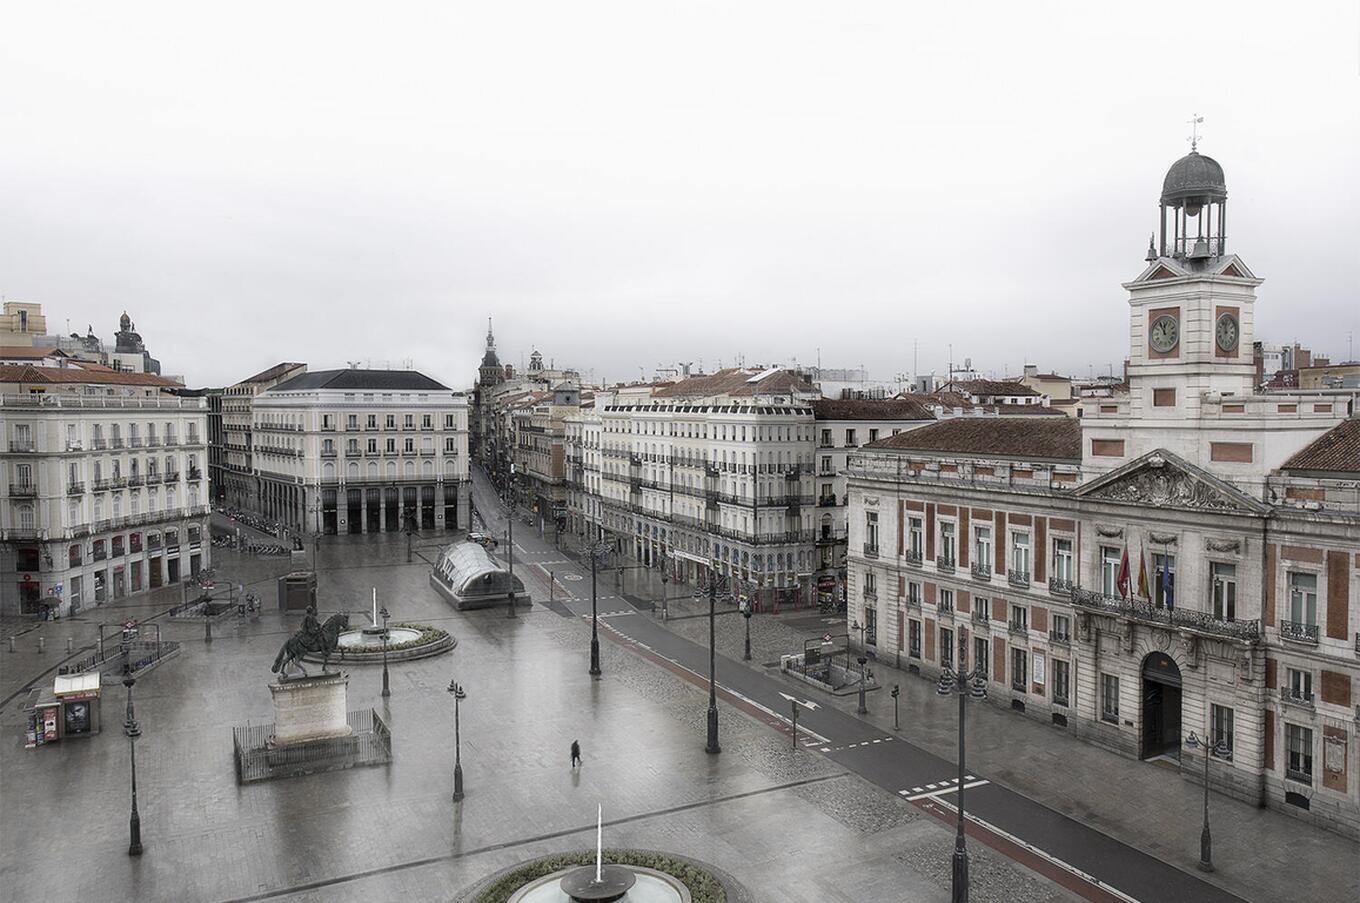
{"points": [[1194, 206]]}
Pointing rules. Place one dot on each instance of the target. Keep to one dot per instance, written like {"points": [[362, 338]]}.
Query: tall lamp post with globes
{"points": [[712, 745], [386, 690], [595, 550], [964, 684], [133, 731], [510, 541], [746, 616], [1221, 750], [458, 696], [863, 660]]}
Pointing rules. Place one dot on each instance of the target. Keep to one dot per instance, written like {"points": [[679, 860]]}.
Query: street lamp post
{"points": [[458, 696], [964, 683], [712, 746], [595, 552], [510, 541], [896, 692], [133, 731], [386, 690], [746, 615], [1194, 741], [665, 584], [863, 660]]}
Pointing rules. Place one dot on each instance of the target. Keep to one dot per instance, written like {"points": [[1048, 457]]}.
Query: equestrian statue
{"points": [[313, 637]]}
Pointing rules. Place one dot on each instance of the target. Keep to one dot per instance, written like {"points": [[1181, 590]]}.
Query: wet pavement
{"points": [[791, 825]]}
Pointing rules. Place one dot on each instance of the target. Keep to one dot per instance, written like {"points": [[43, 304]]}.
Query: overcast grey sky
{"points": [[626, 183]]}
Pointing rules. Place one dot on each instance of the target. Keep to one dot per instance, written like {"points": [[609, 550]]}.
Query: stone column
{"points": [[382, 510], [363, 510]]}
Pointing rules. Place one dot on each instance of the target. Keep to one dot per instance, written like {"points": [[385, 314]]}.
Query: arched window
{"points": [[410, 469], [427, 469], [353, 469], [391, 470], [372, 470], [328, 471]]}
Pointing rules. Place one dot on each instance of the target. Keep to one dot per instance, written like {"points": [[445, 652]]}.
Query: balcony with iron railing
{"points": [[75, 487], [1299, 698], [981, 571], [171, 477], [117, 442], [1299, 777], [135, 442], [871, 550], [1181, 616], [99, 443], [195, 475], [980, 616], [913, 558], [1060, 586], [913, 601], [1017, 578], [19, 446], [23, 490], [944, 606], [152, 441], [1060, 638], [870, 595], [1014, 625], [944, 564], [1299, 632]]}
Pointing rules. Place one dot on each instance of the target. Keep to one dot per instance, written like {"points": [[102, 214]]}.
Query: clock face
{"points": [[1165, 333], [1225, 333]]}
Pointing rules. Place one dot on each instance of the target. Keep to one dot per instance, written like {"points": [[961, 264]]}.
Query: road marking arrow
{"points": [[803, 702]]}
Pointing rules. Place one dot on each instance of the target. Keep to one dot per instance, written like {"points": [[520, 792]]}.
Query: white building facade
{"points": [[105, 487], [362, 451]]}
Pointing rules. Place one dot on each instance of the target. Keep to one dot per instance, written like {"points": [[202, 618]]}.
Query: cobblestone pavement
{"points": [[791, 826], [1260, 854]]}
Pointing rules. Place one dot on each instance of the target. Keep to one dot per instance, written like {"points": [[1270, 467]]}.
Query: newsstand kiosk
{"points": [[71, 709]]}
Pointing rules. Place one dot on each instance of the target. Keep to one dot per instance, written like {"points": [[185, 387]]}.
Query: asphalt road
{"points": [[1084, 860]]}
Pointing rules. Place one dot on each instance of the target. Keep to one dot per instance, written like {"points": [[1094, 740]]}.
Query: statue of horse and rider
{"points": [[313, 637]]}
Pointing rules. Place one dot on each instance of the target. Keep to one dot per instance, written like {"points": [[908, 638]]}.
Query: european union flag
{"points": [[1168, 591]]}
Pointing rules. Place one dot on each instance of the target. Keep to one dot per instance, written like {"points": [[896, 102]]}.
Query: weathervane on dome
{"points": [[1194, 121]]}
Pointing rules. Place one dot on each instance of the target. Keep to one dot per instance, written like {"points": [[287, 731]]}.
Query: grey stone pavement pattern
{"points": [[1260, 854], [791, 826]]}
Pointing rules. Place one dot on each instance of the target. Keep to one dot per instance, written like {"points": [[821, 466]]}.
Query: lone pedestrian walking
{"points": [[575, 753]]}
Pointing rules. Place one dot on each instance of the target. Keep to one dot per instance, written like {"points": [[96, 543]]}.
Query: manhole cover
{"points": [[571, 576]]}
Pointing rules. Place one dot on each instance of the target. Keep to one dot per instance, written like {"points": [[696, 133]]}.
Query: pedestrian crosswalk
{"points": [[941, 788], [827, 749]]}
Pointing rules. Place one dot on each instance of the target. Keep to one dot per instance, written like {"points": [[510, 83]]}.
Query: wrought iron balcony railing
{"points": [[981, 571], [870, 550], [1149, 613], [1062, 638], [944, 563], [1299, 632], [1017, 578], [1059, 586], [913, 558]]}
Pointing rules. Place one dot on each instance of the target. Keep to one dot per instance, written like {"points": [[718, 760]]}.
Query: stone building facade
{"points": [[239, 486], [105, 487], [1184, 558], [362, 451]]}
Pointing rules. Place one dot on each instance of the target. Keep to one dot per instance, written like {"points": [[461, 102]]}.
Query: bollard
{"points": [[11, 644], [70, 645], [42, 644], [207, 631]]}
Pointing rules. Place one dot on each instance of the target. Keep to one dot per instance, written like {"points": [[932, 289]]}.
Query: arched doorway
{"points": [[1161, 706]]}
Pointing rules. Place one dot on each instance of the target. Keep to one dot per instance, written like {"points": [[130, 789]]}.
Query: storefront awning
{"points": [[84, 684]]}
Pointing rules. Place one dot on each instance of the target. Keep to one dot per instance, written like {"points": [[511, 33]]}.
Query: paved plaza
{"points": [[792, 825]]}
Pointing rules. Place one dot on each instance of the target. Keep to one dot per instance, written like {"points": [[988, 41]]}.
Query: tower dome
{"points": [[1194, 177]]}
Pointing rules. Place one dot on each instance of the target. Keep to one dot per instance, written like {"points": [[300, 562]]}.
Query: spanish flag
{"points": [[1143, 589]]}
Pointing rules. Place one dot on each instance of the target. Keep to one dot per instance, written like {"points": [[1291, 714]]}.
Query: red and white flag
{"points": [[1123, 580]]}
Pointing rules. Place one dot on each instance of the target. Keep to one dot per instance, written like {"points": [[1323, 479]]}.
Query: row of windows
{"points": [[23, 474], [724, 432], [390, 445], [23, 435], [389, 421]]}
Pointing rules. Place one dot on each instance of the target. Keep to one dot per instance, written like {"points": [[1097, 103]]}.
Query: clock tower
{"points": [[1191, 326]]}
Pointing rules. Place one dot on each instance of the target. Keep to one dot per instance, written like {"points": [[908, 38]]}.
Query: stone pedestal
{"points": [[310, 708]]}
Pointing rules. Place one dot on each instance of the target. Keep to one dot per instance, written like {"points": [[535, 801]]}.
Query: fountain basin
{"points": [[364, 645], [651, 886]]}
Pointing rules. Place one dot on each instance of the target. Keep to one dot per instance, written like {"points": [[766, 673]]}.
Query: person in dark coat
{"points": [[575, 753]]}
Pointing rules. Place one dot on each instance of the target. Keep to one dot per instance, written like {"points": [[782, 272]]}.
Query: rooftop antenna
{"points": [[1194, 121]]}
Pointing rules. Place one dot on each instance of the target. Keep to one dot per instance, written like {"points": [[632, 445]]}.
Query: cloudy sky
{"points": [[622, 184]]}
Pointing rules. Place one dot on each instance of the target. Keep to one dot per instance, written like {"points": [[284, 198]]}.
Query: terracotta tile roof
{"points": [[991, 387], [1337, 449], [736, 381], [1057, 438], [29, 352], [273, 372], [27, 373], [870, 409]]}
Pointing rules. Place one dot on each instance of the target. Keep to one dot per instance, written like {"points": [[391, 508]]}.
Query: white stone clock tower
{"points": [[1191, 376]]}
